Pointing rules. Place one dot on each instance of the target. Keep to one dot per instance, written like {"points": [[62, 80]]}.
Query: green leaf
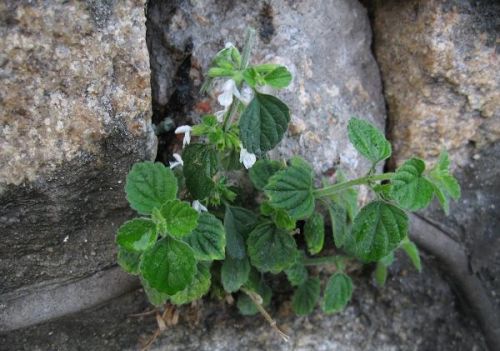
{"points": [[129, 260], [314, 232], [292, 189], [149, 185], [200, 165], [198, 287], [337, 293], [155, 297], [340, 229], [234, 273], [297, 274], [445, 185], [169, 266], [279, 77], [208, 239], [271, 249], [306, 297], [179, 218], [282, 219], [238, 222], [377, 230], [262, 170], [279, 216], [263, 123], [368, 140], [409, 187], [137, 235], [412, 251]]}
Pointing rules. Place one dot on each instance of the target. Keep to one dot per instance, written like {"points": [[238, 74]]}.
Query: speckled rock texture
{"points": [[325, 44], [413, 312], [440, 70], [439, 62], [75, 113]]}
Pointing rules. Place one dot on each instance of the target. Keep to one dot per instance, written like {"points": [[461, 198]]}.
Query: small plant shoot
{"points": [[197, 230]]}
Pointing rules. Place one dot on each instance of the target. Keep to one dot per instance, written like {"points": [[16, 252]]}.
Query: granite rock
{"points": [[440, 70], [75, 113]]}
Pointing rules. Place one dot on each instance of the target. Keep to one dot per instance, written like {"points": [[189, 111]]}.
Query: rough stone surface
{"points": [[440, 70], [325, 44], [439, 62], [413, 312], [75, 112]]}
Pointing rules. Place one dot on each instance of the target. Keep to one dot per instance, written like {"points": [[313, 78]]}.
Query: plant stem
{"points": [[257, 300], [325, 260], [245, 59], [335, 188], [247, 48]]}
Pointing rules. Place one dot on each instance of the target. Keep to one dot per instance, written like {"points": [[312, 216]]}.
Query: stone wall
{"points": [[75, 114]]}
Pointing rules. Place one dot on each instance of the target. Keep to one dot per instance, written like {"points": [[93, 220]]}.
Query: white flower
{"points": [[246, 95], [220, 115], [198, 206], [178, 161], [186, 130], [247, 158], [228, 89], [229, 45]]}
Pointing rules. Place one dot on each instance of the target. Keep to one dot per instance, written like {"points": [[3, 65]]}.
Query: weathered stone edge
{"points": [[20, 310]]}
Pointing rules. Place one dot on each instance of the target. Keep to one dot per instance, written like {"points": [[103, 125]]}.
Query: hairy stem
{"points": [[257, 300], [335, 188], [245, 59]]}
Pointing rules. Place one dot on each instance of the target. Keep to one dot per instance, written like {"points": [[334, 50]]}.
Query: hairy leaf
{"points": [[263, 123], [200, 165], [445, 185], [297, 274], [238, 222], [409, 187], [377, 230], [314, 232], [137, 234], [340, 229], [155, 297], [292, 189], [129, 260], [234, 273], [279, 77], [198, 287], [208, 239], [306, 297], [149, 185], [179, 218], [368, 140], [337, 293], [169, 266], [271, 249], [262, 170]]}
